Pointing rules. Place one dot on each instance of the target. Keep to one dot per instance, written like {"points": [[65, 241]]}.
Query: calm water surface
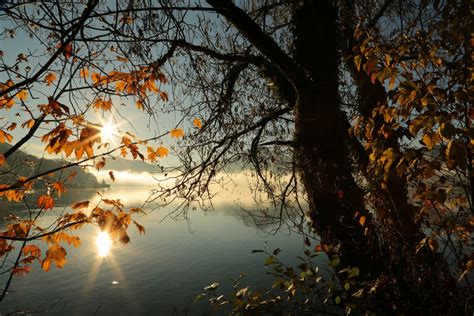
{"points": [[158, 273]]}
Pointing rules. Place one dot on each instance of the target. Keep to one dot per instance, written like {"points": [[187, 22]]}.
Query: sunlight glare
{"points": [[104, 243], [108, 130]]}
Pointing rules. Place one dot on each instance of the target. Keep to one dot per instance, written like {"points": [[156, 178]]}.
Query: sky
{"points": [[125, 115]]}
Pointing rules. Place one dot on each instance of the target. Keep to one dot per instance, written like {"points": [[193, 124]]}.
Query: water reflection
{"points": [[104, 244]]}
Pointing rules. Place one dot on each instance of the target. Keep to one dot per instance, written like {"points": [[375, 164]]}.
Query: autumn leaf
{"points": [[197, 122], [446, 131], [5, 137], [105, 105], [122, 59], [59, 187], [84, 72], [22, 95], [50, 78], [32, 250], [126, 141], [140, 228], [11, 127], [95, 78], [68, 50], [18, 271], [46, 202], [177, 133], [29, 124], [431, 139], [162, 151], [111, 174], [139, 104], [80, 205], [56, 254], [357, 62], [164, 96], [362, 220], [2, 159]]}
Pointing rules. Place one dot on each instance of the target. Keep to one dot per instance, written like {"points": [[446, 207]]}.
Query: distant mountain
{"points": [[120, 164], [26, 165]]}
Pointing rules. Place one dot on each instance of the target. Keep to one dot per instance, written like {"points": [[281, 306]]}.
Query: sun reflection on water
{"points": [[104, 244]]}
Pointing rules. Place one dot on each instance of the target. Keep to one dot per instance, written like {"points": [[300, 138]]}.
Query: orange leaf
{"points": [[105, 105], [78, 205], [111, 174], [50, 78], [5, 136], [139, 104], [46, 202], [197, 122], [59, 187], [362, 220], [21, 270], [95, 78], [177, 133], [32, 250], [2, 159], [84, 72], [162, 151], [22, 95], [57, 254], [28, 123]]}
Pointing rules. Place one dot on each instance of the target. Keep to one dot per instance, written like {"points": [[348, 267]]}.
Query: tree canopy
{"points": [[355, 113]]}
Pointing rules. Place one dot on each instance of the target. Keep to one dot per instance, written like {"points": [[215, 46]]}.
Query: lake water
{"points": [[159, 273]]}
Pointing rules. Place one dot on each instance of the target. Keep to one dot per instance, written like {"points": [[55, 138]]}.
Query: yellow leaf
{"points": [[22, 95], [358, 61], [431, 139], [105, 105], [50, 78], [5, 136], [162, 151], [177, 133], [84, 72]]}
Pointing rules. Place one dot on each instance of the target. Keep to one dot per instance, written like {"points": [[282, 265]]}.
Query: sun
{"points": [[107, 131], [104, 244]]}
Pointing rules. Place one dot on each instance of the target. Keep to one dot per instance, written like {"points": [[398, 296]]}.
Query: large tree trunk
{"points": [[336, 201]]}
